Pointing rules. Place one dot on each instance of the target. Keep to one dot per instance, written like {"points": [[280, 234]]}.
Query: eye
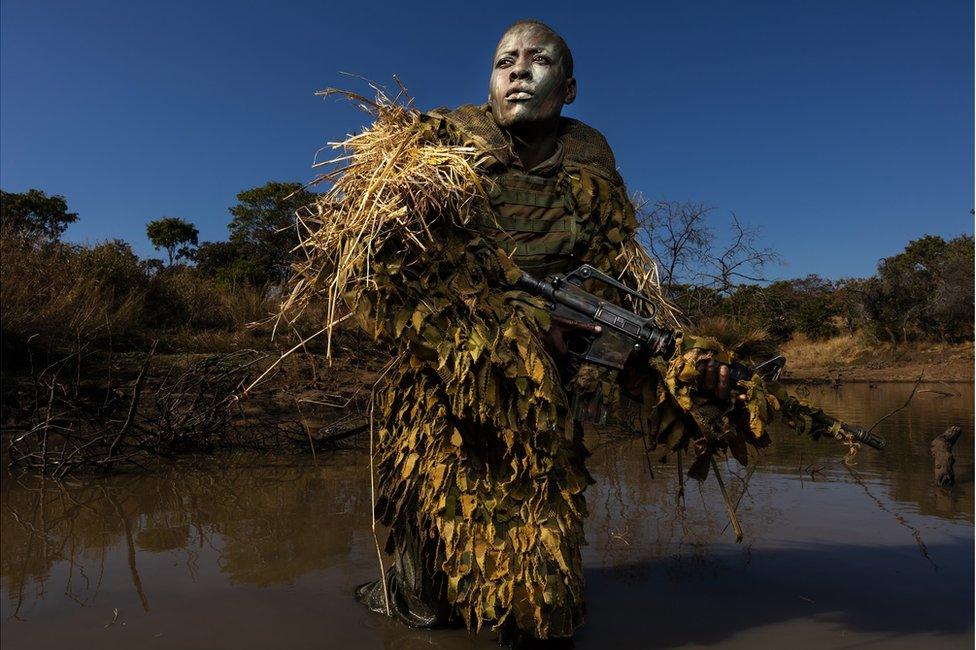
{"points": [[541, 58], [504, 62]]}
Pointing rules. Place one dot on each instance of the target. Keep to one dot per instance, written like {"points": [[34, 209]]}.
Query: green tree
{"points": [[35, 214], [263, 228], [849, 298], [926, 291], [816, 307], [951, 301], [229, 263], [785, 307], [174, 235], [771, 308]]}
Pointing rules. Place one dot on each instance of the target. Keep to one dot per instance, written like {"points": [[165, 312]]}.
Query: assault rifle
{"points": [[621, 333]]}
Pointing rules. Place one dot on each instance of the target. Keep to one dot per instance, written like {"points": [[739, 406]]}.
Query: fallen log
{"points": [[941, 449]]}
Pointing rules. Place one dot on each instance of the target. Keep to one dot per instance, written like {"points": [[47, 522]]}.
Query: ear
{"points": [[570, 90]]}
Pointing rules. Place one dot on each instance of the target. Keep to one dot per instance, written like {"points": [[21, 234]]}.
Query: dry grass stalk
{"points": [[644, 270], [391, 184]]}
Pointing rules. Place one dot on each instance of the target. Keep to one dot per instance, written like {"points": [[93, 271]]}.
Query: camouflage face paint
{"points": [[528, 83]]}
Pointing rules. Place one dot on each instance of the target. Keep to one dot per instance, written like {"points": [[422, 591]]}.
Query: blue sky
{"points": [[841, 129]]}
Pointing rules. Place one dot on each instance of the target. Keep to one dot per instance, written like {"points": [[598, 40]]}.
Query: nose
{"points": [[521, 70]]}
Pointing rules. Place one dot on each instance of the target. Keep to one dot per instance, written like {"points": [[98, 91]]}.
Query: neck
{"points": [[535, 143]]}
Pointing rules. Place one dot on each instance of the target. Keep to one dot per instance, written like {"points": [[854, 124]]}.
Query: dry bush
{"points": [[81, 415], [52, 294], [182, 298], [837, 351], [55, 295], [751, 344]]}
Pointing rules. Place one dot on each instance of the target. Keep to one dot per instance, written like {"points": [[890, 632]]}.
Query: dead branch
{"points": [[73, 424], [903, 406]]}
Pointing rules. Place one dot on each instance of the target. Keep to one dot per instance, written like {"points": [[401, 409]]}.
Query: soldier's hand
{"points": [[714, 379]]}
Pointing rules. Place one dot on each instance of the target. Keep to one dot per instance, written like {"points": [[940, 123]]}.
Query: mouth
{"points": [[518, 95]]}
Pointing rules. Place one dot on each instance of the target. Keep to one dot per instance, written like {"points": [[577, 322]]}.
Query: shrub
{"points": [[54, 295]]}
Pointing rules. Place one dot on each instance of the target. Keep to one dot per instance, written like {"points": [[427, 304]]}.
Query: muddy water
{"points": [[251, 552]]}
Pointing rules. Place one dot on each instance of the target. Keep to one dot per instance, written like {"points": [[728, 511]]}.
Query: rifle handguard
{"points": [[647, 336]]}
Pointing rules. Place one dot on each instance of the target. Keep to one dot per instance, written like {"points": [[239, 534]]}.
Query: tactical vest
{"points": [[532, 220], [535, 218]]}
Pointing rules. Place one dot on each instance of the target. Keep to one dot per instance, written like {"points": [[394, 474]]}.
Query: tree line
{"points": [[922, 293], [261, 232], [203, 297], [261, 237]]}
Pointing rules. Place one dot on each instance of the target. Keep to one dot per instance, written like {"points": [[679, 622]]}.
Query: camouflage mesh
{"points": [[584, 146]]}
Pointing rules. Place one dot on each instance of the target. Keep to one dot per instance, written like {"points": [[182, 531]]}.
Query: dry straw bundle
{"points": [[390, 185], [641, 270]]}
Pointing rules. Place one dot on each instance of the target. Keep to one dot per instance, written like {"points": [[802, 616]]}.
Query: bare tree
{"points": [[684, 245], [741, 260], [677, 236]]}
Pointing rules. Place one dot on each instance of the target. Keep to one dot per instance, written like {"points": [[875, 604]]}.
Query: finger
{"points": [[711, 376], [589, 328], [724, 389], [702, 367], [559, 320]]}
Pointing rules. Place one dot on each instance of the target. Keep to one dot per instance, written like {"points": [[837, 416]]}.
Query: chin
{"points": [[514, 119]]}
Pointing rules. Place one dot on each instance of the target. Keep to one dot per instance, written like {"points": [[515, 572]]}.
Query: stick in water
{"points": [[728, 503]]}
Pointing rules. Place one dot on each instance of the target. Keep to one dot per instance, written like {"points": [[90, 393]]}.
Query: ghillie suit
{"points": [[680, 419], [480, 465]]}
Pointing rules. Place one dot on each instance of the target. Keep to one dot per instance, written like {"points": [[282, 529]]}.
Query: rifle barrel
{"points": [[866, 437]]}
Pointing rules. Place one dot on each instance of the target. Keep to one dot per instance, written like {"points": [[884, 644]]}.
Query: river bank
{"points": [[857, 359], [69, 416]]}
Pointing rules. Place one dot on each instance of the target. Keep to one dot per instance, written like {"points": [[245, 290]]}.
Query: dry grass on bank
{"points": [[49, 296], [860, 357], [57, 297]]}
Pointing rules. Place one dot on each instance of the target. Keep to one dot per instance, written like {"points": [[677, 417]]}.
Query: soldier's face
{"points": [[528, 84]]}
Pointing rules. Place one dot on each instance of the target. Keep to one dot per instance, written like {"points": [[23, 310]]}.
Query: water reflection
{"points": [[905, 468], [201, 549], [265, 524]]}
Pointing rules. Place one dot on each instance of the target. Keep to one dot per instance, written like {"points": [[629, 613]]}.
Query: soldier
{"points": [[482, 485]]}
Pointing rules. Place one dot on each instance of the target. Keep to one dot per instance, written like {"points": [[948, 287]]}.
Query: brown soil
{"points": [[857, 358]]}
